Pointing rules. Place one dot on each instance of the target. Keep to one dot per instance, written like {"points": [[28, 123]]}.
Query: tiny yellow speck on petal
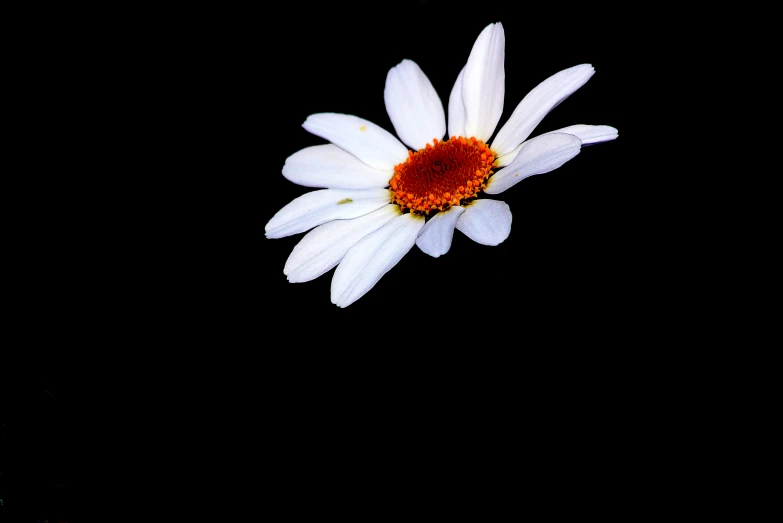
{"points": [[363, 128]]}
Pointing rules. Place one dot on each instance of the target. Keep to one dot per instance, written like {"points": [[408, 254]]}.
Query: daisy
{"points": [[381, 198]]}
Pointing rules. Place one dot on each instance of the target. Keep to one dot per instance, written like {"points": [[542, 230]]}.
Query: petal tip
{"points": [[338, 301], [315, 116], [428, 252], [586, 69]]}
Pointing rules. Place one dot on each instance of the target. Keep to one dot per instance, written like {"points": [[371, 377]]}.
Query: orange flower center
{"points": [[440, 176]]}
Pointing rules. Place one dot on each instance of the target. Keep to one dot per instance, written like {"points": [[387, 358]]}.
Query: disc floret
{"points": [[442, 175]]}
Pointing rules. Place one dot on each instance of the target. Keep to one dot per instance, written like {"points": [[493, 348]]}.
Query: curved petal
{"points": [[435, 238], [372, 257], [540, 155], [537, 104], [331, 167], [317, 207], [414, 107], [324, 247], [487, 222], [589, 134], [457, 108], [371, 144], [484, 83]]}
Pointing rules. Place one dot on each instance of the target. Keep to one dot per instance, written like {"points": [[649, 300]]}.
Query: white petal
{"points": [[457, 108], [589, 134], [371, 144], [371, 258], [324, 247], [484, 83], [540, 155], [414, 107], [537, 104], [331, 167], [487, 222], [317, 207], [435, 238]]}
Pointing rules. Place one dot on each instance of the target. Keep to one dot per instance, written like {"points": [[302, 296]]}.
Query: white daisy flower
{"points": [[381, 198]]}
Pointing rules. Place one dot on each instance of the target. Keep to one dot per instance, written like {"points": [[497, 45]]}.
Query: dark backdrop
{"points": [[178, 302]]}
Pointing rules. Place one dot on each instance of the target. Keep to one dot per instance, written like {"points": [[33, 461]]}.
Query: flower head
{"points": [[380, 198]]}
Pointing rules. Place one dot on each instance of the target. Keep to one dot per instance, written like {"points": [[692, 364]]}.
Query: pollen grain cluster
{"points": [[442, 175]]}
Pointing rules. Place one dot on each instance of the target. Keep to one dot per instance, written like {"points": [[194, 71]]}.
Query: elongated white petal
{"points": [[457, 108], [372, 257], [589, 134], [317, 207], [484, 83], [487, 222], [371, 144], [324, 247], [540, 155], [414, 107], [435, 238], [537, 104], [331, 167]]}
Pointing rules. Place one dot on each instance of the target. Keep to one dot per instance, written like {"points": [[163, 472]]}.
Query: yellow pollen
{"points": [[442, 175]]}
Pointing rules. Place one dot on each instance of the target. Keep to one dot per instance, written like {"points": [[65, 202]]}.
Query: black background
{"points": [[174, 325]]}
